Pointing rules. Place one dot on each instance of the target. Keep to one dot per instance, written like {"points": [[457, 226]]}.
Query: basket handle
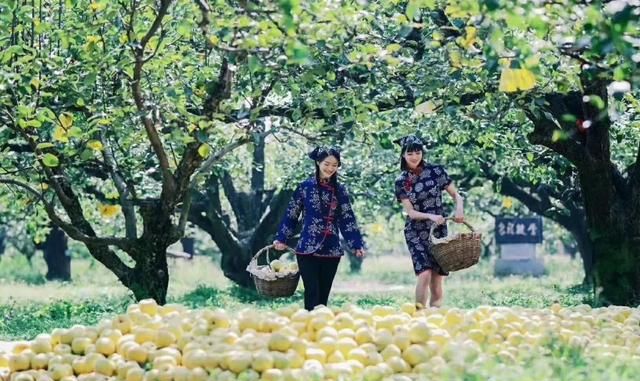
{"points": [[254, 260], [447, 219]]}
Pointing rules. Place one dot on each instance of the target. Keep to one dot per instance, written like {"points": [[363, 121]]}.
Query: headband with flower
{"points": [[320, 153], [408, 140]]}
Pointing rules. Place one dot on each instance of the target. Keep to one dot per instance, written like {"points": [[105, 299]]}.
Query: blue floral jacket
{"points": [[325, 209]]}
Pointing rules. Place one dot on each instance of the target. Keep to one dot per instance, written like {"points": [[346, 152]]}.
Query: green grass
{"points": [[30, 307]]}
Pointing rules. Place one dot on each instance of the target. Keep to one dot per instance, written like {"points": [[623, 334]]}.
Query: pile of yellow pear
{"points": [[173, 343]]}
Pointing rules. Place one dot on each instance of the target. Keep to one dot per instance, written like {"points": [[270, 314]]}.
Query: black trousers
{"points": [[317, 276]]}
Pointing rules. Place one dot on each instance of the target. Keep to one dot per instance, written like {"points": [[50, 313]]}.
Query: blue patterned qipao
{"points": [[423, 187], [319, 234]]}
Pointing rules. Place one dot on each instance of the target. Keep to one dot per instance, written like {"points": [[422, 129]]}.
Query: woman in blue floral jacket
{"points": [[325, 207]]}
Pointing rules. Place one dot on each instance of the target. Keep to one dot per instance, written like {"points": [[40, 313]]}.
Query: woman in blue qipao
{"points": [[325, 207], [419, 188]]}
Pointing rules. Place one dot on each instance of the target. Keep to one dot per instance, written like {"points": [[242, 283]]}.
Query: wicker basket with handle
{"points": [[458, 251], [268, 282]]}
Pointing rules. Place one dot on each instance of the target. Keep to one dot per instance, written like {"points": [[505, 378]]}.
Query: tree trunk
{"points": [[585, 248], [151, 274], [234, 267], [149, 277], [56, 256], [618, 270], [237, 247]]}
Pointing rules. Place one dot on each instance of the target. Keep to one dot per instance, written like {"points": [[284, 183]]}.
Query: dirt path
{"points": [[7, 346], [353, 287]]}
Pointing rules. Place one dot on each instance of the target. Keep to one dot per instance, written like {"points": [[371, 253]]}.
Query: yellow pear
{"points": [[398, 364], [262, 361], [137, 353], [59, 371], [148, 306], [39, 361], [105, 366], [278, 341], [238, 361], [415, 354], [280, 360], [41, 344], [194, 359], [135, 374], [277, 265], [345, 345], [80, 366], [316, 354], [18, 362], [79, 345]]}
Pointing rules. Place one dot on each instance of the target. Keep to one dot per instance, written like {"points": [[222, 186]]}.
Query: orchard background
{"points": [[148, 150]]}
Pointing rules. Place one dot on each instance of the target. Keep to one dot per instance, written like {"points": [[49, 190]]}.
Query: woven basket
{"points": [[276, 286], [458, 251]]}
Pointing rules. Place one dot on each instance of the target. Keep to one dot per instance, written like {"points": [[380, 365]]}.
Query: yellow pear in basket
{"points": [[293, 267], [277, 265]]}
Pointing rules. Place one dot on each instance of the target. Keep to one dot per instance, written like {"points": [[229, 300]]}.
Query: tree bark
{"points": [[149, 277], [56, 256], [579, 231], [617, 271], [613, 227]]}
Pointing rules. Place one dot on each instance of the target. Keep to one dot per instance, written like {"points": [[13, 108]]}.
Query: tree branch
{"points": [[269, 221], [124, 191], [168, 181], [69, 228], [213, 159], [543, 134]]}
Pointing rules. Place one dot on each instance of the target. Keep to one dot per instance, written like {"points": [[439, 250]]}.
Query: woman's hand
{"points": [[459, 217], [279, 245], [360, 253], [438, 219]]}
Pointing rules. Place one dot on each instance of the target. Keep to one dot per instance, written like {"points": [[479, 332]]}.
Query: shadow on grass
{"points": [[586, 292], [203, 296], [235, 295]]}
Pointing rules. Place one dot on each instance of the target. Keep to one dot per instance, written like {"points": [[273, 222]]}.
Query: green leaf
{"points": [[86, 154], [50, 160], [254, 64], [204, 150], [24, 110], [558, 135], [298, 53], [74, 132], [491, 5], [412, 9], [66, 120], [596, 101], [385, 141], [392, 48], [44, 145], [184, 30], [29, 123]]}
